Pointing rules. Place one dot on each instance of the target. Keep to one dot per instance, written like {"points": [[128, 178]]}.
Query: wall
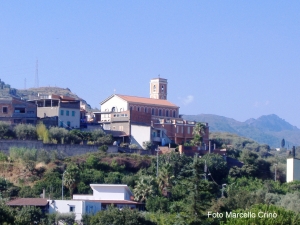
{"points": [[292, 169], [63, 206], [115, 101], [140, 134], [68, 150]]}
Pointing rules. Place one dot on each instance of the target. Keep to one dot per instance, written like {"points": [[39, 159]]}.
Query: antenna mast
{"points": [[37, 74]]}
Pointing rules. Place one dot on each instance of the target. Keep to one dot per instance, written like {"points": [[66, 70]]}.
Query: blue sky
{"points": [[238, 59]]}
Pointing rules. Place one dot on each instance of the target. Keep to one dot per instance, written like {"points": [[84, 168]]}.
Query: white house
{"points": [[292, 169], [78, 207], [117, 194]]}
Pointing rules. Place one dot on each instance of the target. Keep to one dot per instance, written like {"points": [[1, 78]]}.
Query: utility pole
{"points": [[157, 150], [275, 172], [205, 170], [62, 186]]}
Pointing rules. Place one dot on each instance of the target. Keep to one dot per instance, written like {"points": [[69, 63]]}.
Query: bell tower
{"points": [[159, 88]]}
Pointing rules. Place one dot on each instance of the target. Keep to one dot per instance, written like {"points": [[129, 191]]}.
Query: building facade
{"points": [[65, 109], [16, 111], [157, 113]]}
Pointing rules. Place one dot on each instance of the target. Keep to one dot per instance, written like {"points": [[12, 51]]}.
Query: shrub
{"points": [[42, 133], [133, 146], [58, 134], [68, 218], [103, 148], [5, 131], [24, 154], [3, 157], [43, 156], [25, 132]]}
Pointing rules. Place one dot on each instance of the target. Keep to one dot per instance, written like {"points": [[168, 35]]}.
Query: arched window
{"points": [[154, 88], [152, 112], [130, 108], [138, 109], [162, 88], [167, 113], [145, 109], [113, 109], [159, 112], [174, 113]]}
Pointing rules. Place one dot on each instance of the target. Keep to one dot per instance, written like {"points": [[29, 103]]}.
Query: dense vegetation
{"points": [[186, 190]]}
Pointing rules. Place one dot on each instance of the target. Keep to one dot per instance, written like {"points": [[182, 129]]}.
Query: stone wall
{"points": [[66, 149]]}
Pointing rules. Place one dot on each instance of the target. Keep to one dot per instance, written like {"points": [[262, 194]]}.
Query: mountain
{"points": [[268, 129], [7, 91]]}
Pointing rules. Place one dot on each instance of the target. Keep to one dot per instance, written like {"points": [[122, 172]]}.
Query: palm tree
{"points": [[71, 178], [144, 188], [165, 179], [198, 133]]}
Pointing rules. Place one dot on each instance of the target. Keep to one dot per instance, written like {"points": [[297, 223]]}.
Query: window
{"points": [[154, 88], [113, 109], [159, 112], [173, 113], [68, 123], [19, 110], [162, 88], [73, 113], [152, 112], [138, 109], [61, 112], [145, 109], [61, 124], [67, 112], [4, 109], [130, 108], [167, 113], [72, 208]]}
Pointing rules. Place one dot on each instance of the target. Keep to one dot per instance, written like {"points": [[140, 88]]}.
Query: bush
{"points": [[24, 154], [103, 148], [25, 132], [5, 131], [3, 157], [58, 134], [43, 156], [68, 218], [133, 146], [42, 133]]}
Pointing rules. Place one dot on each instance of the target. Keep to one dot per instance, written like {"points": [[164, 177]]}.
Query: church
{"points": [[136, 120]]}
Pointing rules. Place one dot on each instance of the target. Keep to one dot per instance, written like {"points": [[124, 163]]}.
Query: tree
{"points": [[42, 133], [28, 215], [282, 143], [71, 177], [5, 131], [25, 132], [6, 214], [144, 188], [126, 216], [58, 134], [165, 179], [198, 133]]}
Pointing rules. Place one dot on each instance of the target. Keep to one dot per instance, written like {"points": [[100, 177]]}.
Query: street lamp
{"points": [[62, 186], [157, 150], [223, 185]]}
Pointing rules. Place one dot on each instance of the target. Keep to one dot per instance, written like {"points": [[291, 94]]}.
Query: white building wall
{"points": [[119, 104], [140, 134], [107, 192], [81, 207], [292, 169]]}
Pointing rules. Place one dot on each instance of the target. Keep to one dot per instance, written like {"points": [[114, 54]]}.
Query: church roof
{"points": [[148, 101]]}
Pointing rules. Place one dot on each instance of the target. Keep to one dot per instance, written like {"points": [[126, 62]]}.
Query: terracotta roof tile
{"points": [[28, 202], [148, 101]]}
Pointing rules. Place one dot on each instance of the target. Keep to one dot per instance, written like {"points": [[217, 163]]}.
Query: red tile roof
{"points": [[148, 101], [28, 202]]}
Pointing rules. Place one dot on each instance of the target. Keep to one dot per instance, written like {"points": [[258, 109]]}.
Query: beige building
{"points": [[65, 109]]}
